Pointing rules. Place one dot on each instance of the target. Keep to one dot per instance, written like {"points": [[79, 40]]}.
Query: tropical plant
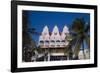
{"points": [[28, 42], [79, 35]]}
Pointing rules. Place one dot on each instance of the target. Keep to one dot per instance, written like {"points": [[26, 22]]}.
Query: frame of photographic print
{"points": [[16, 6]]}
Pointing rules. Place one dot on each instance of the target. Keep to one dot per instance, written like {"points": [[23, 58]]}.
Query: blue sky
{"points": [[38, 19]]}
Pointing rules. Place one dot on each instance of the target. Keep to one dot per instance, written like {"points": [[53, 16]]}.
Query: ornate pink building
{"points": [[54, 44], [53, 39]]}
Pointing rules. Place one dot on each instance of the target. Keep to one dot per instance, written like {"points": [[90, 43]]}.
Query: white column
{"points": [[48, 56]]}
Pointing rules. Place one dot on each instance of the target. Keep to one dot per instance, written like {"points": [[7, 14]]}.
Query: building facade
{"points": [[53, 39], [54, 44]]}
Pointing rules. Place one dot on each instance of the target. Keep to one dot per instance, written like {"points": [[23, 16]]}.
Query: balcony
{"points": [[46, 43], [41, 43], [52, 43]]}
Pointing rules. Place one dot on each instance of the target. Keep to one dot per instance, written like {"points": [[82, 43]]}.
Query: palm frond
{"points": [[78, 25]]}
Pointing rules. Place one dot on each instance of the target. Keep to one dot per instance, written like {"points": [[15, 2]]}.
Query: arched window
{"points": [[63, 41], [47, 43], [41, 43], [58, 43], [52, 43]]}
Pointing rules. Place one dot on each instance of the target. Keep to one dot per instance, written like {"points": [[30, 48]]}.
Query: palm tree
{"points": [[79, 37], [28, 43], [69, 50]]}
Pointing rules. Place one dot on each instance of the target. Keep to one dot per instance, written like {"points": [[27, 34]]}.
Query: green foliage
{"points": [[28, 42], [82, 33]]}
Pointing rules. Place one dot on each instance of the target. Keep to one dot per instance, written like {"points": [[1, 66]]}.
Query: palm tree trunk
{"points": [[83, 50]]}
